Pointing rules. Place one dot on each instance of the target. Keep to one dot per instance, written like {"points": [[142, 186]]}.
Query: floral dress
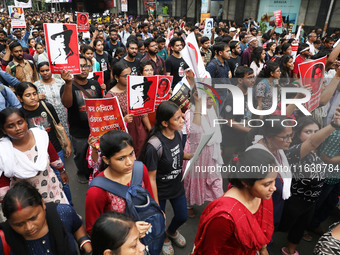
{"points": [[52, 92], [46, 182]]}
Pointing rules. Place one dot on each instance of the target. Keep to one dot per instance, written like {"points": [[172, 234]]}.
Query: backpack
{"points": [[139, 205], [157, 144], [14, 67]]}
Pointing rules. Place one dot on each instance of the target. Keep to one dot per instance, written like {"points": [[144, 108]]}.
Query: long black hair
{"points": [[302, 123], [5, 113]]}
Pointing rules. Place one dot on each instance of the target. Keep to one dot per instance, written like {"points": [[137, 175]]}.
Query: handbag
{"points": [[59, 130]]}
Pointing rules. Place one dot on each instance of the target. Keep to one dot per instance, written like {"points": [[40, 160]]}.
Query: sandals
{"points": [[191, 213], [283, 250], [179, 240], [307, 236], [167, 249]]}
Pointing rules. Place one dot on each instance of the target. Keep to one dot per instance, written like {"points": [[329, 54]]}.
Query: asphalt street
{"points": [[189, 229]]}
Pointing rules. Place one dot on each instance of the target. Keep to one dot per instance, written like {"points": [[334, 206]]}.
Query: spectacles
{"points": [[85, 67], [286, 138], [154, 45]]}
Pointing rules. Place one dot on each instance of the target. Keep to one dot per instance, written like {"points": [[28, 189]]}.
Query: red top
{"points": [[99, 201], [228, 227], [31, 51], [298, 61]]}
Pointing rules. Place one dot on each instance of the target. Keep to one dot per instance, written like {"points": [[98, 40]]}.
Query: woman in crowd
{"points": [[286, 49], [27, 154], [88, 51], [271, 46], [308, 178], [49, 90], [164, 159], [257, 60], [117, 153], [40, 54], [136, 125], [329, 243], [286, 68], [33, 227], [268, 77], [119, 53], [115, 233], [201, 186], [241, 222], [31, 45], [104, 60]]}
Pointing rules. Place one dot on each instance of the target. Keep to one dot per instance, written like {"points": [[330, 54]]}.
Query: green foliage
{"points": [[263, 27]]}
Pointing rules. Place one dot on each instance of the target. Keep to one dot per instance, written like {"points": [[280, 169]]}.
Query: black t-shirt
{"points": [[309, 174], [111, 49], [41, 118], [169, 166], [104, 61], [231, 136], [174, 66], [76, 114], [233, 64], [133, 65]]}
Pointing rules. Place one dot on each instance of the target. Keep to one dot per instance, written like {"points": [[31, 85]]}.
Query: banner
{"points": [[149, 5], [181, 96], [209, 23], [141, 94], [23, 3], [290, 12], [278, 18], [124, 5], [295, 47], [163, 88], [62, 47], [83, 21], [17, 17], [312, 73], [104, 115], [192, 56]]}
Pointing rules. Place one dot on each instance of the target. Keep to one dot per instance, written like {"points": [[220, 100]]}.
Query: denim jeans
{"points": [[66, 187], [80, 146], [179, 206]]}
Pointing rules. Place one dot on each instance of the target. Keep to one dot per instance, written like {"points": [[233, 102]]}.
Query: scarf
{"points": [[284, 170], [15, 163], [56, 232]]}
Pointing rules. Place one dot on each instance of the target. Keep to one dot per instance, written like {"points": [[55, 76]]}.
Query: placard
{"points": [[181, 96], [83, 21], [23, 3], [104, 115], [62, 47], [312, 73], [141, 94], [163, 88], [17, 16]]}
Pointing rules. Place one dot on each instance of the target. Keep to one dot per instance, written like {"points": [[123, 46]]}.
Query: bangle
{"points": [[335, 125], [81, 239], [84, 242]]}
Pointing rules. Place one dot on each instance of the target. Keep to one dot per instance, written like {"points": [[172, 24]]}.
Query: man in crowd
{"points": [[174, 63], [72, 96], [235, 59], [22, 69], [157, 62], [311, 39], [111, 45], [130, 58], [246, 55]]}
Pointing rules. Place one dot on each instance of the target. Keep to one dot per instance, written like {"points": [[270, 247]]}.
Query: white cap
{"points": [[232, 29]]}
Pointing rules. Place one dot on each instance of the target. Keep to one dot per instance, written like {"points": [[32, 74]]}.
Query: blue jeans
{"points": [[179, 206], [66, 187]]}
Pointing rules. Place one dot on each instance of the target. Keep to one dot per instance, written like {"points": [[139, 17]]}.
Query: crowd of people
{"points": [[43, 119]]}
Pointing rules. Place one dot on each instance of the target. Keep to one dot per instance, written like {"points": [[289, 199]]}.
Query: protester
{"points": [[32, 222], [241, 221]]}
